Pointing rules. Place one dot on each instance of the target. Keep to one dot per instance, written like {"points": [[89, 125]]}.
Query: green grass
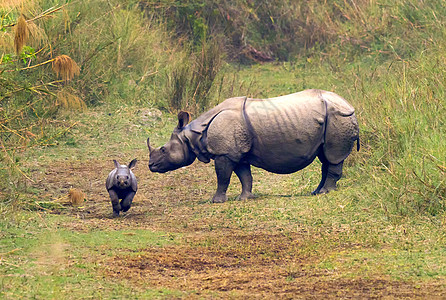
{"points": [[41, 259], [386, 221]]}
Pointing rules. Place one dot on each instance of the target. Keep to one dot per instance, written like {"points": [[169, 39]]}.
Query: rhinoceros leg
{"points": [[243, 172], [126, 203], [115, 202], [331, 173], [324, 170], [223, 167]]}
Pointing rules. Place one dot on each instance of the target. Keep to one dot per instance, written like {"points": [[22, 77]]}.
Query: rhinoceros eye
{"points": [[163, 150]]}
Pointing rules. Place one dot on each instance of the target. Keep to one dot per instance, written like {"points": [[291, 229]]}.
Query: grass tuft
{"points": [[76, 197], [21, 34], [69, 100], [65, 67]]}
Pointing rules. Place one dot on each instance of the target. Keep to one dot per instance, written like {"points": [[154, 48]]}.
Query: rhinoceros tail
{"points": [[358, 144]]}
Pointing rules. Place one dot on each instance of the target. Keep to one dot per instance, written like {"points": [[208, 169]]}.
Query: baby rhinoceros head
{"points": [[123, 177]]}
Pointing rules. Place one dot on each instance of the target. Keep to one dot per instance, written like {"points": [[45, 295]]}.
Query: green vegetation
{"points": [[139, 62]]}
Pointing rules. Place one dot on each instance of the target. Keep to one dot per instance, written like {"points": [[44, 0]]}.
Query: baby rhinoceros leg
{"points": [[126, 203], [115, 202]]}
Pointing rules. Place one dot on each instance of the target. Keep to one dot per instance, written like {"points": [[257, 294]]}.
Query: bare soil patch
{"points": [[215, 257], [253, 273]]}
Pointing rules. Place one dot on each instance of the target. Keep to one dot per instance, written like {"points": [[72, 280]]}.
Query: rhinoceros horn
{"points": [[148, 145]]}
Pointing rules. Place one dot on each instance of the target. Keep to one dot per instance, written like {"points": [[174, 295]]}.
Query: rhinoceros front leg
{"points": [[126, 203], [223, 167], [115, 202], [243, 172], [330, 175]]}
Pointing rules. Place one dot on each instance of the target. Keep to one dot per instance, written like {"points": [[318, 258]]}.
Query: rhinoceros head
{"points": [[175, 153], [122, 177]]}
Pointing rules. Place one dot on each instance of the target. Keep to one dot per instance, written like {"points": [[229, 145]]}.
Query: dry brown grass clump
{"points": [[76, 197], [21, 34], [69, 100], [65, 67]]}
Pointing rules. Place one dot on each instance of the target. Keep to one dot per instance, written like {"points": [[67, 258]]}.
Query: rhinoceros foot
{"points": [[330, 185], [326, 190], [246, 196], [219, 198]]}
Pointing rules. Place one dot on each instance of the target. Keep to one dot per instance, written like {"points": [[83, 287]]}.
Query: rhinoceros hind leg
{"points": [[243, 172], [324, 170], [223, 167], [330, 175]]}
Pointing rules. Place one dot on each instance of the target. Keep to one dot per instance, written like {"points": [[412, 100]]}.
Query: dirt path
{"points": [[218, 255]]}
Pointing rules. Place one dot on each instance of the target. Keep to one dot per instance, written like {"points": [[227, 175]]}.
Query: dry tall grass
{"points": [[6, 42], [21, 34], [67, 99], [65, 67], [37, 35], [285, 28], [12, 4], [76, 197]]}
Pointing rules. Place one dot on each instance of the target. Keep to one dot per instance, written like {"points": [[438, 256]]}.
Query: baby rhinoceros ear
{"points": [[132, 163], [117, 165], [133, 180]]}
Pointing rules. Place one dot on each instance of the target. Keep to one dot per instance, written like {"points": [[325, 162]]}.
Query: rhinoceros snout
{"points": [[153, 167], [123, 183], [157, 168]]}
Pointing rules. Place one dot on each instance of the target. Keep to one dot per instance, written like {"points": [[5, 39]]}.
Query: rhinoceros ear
{"points": [[132, 163], [183, 119], [117, 165]]}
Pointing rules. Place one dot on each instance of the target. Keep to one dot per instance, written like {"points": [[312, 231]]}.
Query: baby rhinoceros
{"points": [[121, 184]]}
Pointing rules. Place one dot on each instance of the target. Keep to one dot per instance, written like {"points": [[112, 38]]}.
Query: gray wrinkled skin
{"points": [[121, 184], [281, 135]]}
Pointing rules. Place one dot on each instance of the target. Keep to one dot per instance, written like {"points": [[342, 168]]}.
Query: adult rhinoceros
{"points": [[281, 135]]}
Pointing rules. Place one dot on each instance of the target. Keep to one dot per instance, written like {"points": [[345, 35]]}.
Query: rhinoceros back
{"points": [[281, 135], [286, 130]]}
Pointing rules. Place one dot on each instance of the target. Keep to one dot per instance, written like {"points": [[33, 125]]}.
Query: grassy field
{"points": [[369, 239], [381, 235]]}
